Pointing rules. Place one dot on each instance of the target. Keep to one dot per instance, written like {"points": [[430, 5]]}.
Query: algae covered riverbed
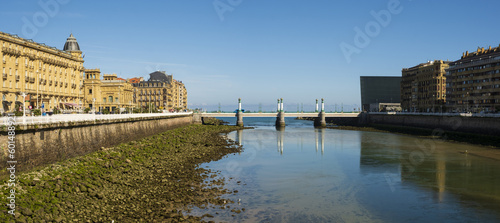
{"points": [[155, 179]]}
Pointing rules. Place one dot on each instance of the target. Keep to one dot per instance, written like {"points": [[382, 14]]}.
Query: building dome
{"points": [[71, 44]]}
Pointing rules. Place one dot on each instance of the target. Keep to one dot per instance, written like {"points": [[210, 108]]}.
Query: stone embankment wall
{"points": [[39, 145], [478, 125], [350, 121]]}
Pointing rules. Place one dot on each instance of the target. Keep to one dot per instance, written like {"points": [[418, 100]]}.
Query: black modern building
{"points": [[379, 89]]}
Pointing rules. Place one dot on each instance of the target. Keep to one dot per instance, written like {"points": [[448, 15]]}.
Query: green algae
{"points": [[155, 179]]}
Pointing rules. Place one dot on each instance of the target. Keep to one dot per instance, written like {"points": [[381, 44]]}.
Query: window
{"points": [[116, 99], [90, 91], [104, 100], [110, 99]]}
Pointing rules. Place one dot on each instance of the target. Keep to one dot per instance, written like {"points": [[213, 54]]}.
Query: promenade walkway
{"points": [[64, 118]]}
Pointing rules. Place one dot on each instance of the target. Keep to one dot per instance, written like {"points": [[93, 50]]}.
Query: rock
{"points": [[83, 188], [59, 219], [26, 212]]}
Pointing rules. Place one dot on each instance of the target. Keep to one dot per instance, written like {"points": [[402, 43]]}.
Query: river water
{"points": [[303, 174]]}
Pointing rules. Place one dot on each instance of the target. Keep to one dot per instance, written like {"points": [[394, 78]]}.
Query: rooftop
{"points": [[71, 44]]}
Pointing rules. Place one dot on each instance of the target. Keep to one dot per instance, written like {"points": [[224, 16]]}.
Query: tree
{"points": [[56, 111], [36, 112], [16, 110]]}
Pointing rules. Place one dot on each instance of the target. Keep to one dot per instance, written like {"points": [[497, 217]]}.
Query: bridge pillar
{"points": [[239, 115], [280, 119], [239, 118], [320, 121]]}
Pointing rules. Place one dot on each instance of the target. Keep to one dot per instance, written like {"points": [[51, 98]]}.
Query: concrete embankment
{"points": [[476, 125], [37, 145], [475, 130]]}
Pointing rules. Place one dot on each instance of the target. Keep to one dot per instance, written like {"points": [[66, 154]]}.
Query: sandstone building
{"points": [[47, 75], [423, 87], [473, 82], [161, 91], [111, 93]]}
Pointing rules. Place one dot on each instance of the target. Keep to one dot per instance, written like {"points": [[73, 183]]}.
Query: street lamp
{"points": [[149, 97], [23, 94]]}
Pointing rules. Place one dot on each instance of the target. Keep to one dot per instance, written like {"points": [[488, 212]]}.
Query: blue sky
{"points": [[259, 50]]}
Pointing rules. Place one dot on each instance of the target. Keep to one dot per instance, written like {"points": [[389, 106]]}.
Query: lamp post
{"points": [[322, 105], [23, 94], [282, 107], [119, 94], [93, 106]]}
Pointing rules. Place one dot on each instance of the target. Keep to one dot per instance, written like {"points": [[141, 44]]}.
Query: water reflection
{"points": [[319, 134], [239, 136], [359, 177], [280, 139], [443, 173]]}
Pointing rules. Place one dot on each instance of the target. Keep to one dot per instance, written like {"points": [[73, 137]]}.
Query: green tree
{"points": [[56, 111], [36, 112]]}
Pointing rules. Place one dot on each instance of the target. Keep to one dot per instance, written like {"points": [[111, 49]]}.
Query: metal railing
{"points": [[464, 114], [66, 118]]}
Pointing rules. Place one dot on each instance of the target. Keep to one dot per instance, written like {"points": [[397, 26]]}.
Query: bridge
{"points": [[319, 116]]}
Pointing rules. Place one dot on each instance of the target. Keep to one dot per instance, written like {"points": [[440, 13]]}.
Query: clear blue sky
{"points": [[259, 50]]}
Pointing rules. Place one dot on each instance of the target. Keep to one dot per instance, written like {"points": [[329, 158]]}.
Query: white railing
{"points": [[65, 118], [491, 115]]}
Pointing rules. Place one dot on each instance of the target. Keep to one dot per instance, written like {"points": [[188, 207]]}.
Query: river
{"points": [[303, 174]]}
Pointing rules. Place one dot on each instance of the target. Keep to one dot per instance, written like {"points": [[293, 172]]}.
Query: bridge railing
{"points": [[491, 115], [64, 118]]}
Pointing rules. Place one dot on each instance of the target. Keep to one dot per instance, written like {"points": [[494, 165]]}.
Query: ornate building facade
{"points": [[111, 93], [423, 87], [51, 78], [473, 82], [161, 91]]}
